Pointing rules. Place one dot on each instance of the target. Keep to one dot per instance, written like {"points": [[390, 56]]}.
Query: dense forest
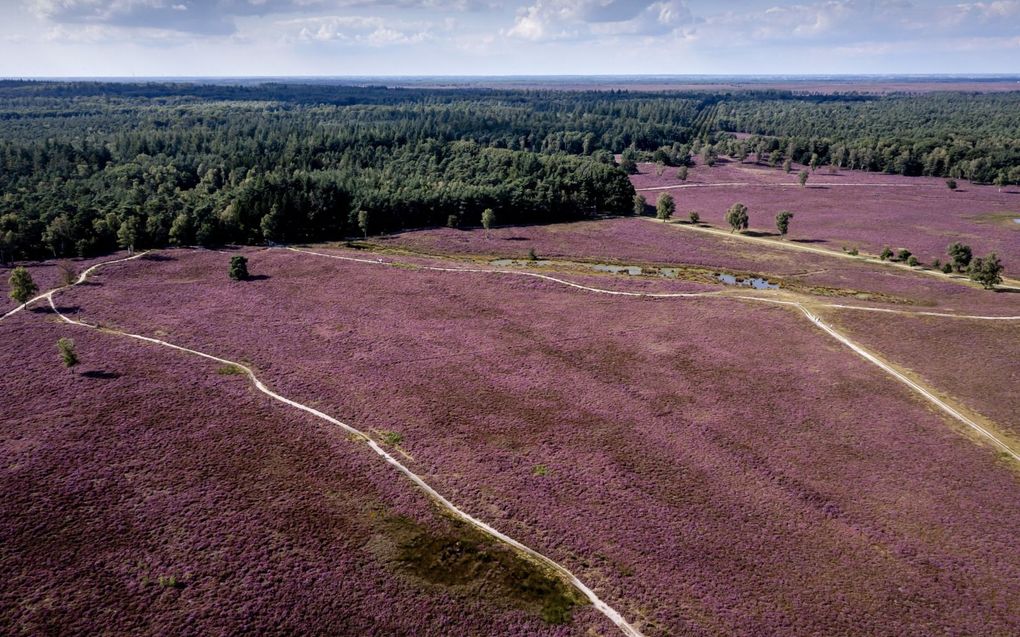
{"points": [[86, 167]]}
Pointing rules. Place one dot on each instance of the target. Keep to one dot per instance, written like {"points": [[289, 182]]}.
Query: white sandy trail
{"points": [[546, 277], [998, 443], [909, 383], [80, 279], [975, 317], [601, 606]]}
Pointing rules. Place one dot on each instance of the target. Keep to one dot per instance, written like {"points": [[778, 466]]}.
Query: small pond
{"points": [[754, 282]]}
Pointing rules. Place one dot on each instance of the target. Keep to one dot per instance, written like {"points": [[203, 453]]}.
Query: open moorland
{"points": [[849, 209], [680, 455], [352, 360]]}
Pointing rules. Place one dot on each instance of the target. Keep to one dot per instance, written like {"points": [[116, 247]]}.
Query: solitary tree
{"points": [[961, 255], [788, 166], [987, 271], [363, 222], [68, 354], [803, 177], [238, 268], [488, 218], [665, 206], [639, 204], [694, 216], [1000, 181], [67, 272], [22, 286], [681, 173], [127, 234], [737, 217], [783, 222]]}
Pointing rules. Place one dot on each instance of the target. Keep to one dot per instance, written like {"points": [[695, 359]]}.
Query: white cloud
{"points": [[567, 19], [369, 30]]}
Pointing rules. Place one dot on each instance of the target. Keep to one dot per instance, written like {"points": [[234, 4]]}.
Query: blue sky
{"points": [[499, 37]]}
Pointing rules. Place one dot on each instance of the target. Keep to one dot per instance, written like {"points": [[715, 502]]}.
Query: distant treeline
{"points": [[85, 167]]}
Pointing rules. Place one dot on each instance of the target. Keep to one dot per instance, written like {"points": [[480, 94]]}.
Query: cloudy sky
{"points": [[499, 37]]}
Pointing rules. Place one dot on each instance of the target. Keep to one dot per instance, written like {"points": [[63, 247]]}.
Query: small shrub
{"points": [[238, 268], [681, 173], [170, 581], [912, 261], [887, 254], [452, 221], [903, 255], [951, 184], [229, 370], [947, 268], [694, 216], [936, 264], [532, 255], [853, 251], [540, 470], [391, 438], [68, 354]]}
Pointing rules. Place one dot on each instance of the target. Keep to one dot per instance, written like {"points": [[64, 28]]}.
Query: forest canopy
{"points": [[86, 167]]}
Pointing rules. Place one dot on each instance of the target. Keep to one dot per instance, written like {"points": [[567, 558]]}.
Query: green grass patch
{"points": [[230, 370], [391, 438], [466, 558]]}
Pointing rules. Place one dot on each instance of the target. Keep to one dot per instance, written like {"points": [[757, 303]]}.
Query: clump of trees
{"points": [[665, 206], [737, 217], [22, 286], [239, 268]]}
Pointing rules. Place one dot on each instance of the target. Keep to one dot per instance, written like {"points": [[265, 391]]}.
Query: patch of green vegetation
{"points": [[464, 557], [391, 438], [540, 470], [170, 581], [230, 370]]}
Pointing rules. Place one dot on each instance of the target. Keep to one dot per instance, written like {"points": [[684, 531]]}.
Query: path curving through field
{"points": [[857, 349], [604, 608], [81, 278]]}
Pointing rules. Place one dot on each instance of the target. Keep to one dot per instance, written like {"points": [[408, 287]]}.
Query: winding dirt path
{"points": [[604, 608], [81, 278], [857, 349]]}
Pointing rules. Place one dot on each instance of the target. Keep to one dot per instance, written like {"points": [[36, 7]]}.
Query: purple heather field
{"points": [[644, 242], [708, 466], [146, 463], [917, 213]]}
